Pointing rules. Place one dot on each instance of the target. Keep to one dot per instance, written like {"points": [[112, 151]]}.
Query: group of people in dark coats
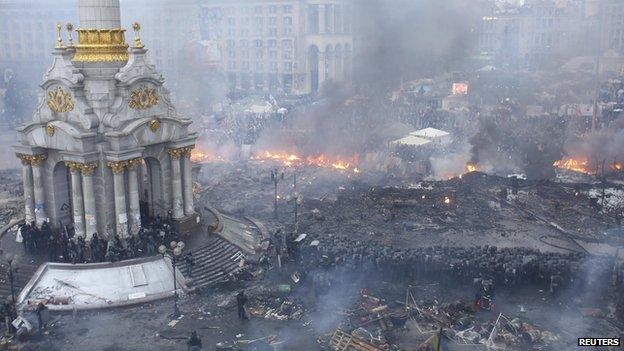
{"points": [[62, 246]]}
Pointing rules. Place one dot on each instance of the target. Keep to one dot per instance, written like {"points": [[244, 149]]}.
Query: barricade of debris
{"points": [[276, 308], [373, 324]]}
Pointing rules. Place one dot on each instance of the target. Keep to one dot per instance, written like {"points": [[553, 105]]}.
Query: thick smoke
{"points": [[508, 143], [395, 41], [599, 146], [408, 39]]}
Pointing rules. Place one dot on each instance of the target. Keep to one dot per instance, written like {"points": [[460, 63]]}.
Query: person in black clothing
{"points": [[95, 248], [241, 300], [52, 249], [40, 309], [190, 262], [194, 343]]}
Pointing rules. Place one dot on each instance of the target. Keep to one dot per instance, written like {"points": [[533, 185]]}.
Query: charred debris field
{"points": [[475, 209]]}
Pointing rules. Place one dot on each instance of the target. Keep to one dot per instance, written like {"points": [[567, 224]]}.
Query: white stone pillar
{"points": [[187, 184], [40, 210], [121, 215], [99, 14], [176, 183], [29, 191], [133, 192], [77, 200], [322, 69], [322, 11], [88, 192]]}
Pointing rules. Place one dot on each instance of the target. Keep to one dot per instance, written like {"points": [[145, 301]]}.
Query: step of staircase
{"points": [[214, 263]]}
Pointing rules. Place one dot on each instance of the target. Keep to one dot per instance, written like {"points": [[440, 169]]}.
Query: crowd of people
{"points": [[503, 266], [63, 246]]}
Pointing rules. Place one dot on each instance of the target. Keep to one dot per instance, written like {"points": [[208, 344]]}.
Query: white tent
{"points": [[412, 141], [431, 133]]}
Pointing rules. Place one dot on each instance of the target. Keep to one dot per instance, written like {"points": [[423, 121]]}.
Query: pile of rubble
{"points": [[276, 308], [372, 325]]}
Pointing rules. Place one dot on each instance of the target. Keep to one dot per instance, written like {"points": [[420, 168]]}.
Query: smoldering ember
{"points": [[368, 175]]}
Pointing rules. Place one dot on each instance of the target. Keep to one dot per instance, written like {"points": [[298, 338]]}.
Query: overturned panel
{"points": [[101, 285]]}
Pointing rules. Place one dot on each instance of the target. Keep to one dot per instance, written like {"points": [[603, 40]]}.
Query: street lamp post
{"points": [[276, 177], [11, 280], [297, 200], [175, 251]]}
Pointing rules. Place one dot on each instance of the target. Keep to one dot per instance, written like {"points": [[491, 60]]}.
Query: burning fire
{"points": [[573, 164], [199, 156], [471, 167], [583, 165], [290, 160]]}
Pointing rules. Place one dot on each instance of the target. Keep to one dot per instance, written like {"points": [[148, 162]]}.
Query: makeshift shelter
{"points": [[412, 140], [432, 134]]}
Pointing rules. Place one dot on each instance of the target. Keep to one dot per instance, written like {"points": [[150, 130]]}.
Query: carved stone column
{"points": [[77, 200], [187, 184], [29, 191], [176, 182], [133, 192], [322, 17], [40, 210], [121, 215], [88, 192]]}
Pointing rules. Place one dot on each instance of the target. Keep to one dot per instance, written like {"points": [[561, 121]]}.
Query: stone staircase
{"points": [[21, 277], [213, 263]]}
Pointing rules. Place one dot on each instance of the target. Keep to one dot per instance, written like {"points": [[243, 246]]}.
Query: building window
{"points": [[272, 43], [272, 9], [288, 21], [232, 65], [259, 66], [231, 21], [287, 55], [259, 21], [287, 44], [245, 65], [288, 8], [272, 21], [258, 43], [288, 66], [259, 54], [258, 9], [288, 31], [273, 66], [244, 43], [273, 32], [273, 55]]}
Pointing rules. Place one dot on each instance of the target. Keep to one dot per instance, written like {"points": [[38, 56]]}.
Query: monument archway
{"points": [[62, 196], [152, 196]]}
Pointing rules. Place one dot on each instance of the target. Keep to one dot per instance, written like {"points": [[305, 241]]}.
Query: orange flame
{"points": [[322, 161], [580, 165], [471, 167]]}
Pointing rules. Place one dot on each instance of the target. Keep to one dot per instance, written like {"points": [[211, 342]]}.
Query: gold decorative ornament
{"points": [[87, 169], [59, 40], [176, 153], [73, 166], [50, 130], [143, 98], [24, 158], [59, 100], [70, 40], [36, 160], [154, 125], [187, 150], [117, 167], [101, 45], [137, 39], [135, 162]]}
